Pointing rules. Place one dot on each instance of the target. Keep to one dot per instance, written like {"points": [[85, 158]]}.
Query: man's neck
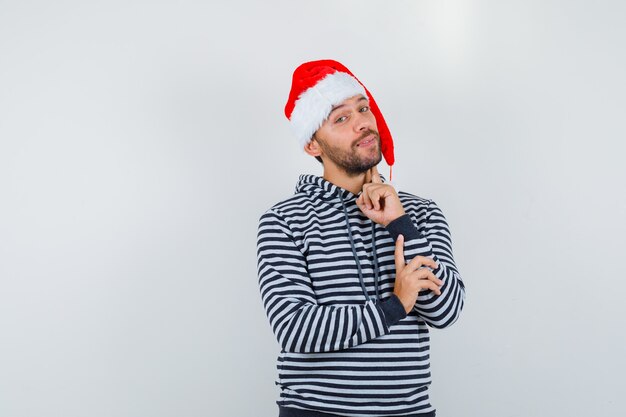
{"points": [[354, 184]]}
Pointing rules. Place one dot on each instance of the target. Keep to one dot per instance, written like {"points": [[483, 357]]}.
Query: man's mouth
{"points": [[367, 141]]}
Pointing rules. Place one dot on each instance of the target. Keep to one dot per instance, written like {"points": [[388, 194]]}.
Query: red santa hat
{"points": [[316, 87]]}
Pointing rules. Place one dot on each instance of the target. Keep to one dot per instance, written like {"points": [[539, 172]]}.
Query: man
{"points": [[352, 273]]}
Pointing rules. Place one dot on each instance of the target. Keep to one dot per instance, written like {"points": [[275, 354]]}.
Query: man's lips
{"points": [[367, 141]]}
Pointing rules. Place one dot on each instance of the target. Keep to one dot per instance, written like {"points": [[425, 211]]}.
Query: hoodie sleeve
{"points": [[299, 323], [434, 241]]}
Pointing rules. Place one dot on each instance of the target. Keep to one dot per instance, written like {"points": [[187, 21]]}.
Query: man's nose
{"points": [[362, 122]]}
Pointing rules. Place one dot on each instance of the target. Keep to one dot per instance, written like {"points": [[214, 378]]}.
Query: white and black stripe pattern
{"points": [[342, 353]]}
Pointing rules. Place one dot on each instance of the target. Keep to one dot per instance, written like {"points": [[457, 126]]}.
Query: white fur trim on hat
{"points": [[315, 104]]}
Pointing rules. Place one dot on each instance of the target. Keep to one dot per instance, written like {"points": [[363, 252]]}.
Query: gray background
{"points": [[141, 141]]}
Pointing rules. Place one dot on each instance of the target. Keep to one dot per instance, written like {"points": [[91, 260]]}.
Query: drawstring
{"points": [[376, 271], [356, 258]]}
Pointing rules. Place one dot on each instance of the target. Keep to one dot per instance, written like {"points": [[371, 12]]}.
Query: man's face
{"points": [[349, 138]]}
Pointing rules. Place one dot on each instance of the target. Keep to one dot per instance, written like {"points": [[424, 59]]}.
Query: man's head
{"points": [[320, 90], [348, 138]]}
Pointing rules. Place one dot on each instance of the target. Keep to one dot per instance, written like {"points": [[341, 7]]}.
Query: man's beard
{"points": [[350, 162]]}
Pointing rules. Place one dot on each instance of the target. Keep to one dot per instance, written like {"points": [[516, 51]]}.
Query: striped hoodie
{"points": [[347, 346]]}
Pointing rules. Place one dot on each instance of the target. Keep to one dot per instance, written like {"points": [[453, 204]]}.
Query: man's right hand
{"points": [[413, 277]]}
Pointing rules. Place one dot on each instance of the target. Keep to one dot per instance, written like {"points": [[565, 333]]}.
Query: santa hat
{"points": [[316, 87]]}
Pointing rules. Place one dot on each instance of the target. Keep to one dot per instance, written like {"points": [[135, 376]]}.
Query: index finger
{"points": [[399, 254], [368, 176], [376, 175]]}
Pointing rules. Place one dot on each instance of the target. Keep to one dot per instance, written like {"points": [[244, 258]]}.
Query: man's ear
{"points": [[313, 148]]}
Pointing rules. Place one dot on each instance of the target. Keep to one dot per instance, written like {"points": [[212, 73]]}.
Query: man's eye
{"points": [[364, 109], [341, 119]]}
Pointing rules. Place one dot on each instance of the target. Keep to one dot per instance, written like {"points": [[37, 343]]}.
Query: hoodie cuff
{"points": [[404, 226], [392, 309]]}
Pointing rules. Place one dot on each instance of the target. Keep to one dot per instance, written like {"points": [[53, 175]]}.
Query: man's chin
{"points": [[363, 168], [375, 161]]}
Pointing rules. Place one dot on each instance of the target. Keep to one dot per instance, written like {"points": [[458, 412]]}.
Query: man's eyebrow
{"points": [[342, 105], [336, 108]]}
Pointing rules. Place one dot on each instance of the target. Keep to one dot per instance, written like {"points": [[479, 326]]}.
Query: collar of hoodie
{"points": [[325, 190]]}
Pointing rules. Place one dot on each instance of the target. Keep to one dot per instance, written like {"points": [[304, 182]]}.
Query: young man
{"points": [[351, 272]]}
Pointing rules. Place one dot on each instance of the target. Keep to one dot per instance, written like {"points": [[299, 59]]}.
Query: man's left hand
{"points": [[379, 201]]}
